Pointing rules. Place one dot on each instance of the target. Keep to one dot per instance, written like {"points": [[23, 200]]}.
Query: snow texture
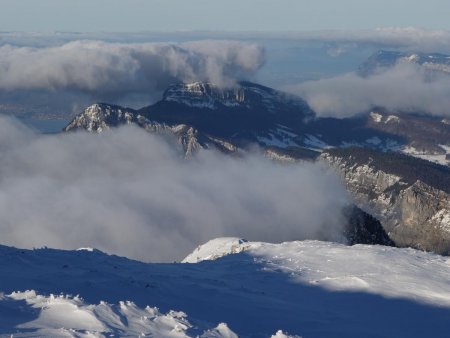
{"points": [[308, 288]]}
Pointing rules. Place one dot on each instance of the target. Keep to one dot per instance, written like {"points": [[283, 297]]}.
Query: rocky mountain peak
{"points": [[243, 94], [101, 116]]}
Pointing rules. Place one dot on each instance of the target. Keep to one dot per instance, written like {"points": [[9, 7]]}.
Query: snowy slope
{"points": [[309, 288]]}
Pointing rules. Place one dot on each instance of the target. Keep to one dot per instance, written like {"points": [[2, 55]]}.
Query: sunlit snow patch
{"points": [[217, 248]]}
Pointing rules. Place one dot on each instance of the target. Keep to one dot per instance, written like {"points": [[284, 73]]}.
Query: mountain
{"points": [[224, 118], [410, 196], [202, 115], [309, 288], [383, 60]]}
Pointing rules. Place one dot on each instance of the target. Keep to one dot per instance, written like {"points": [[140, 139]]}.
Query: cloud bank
{"points": [[117, 68], [404, 87], [414, 38], [131, 193]]}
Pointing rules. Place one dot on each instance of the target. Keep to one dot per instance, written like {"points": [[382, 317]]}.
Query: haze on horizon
{"points": [[231, 15]]}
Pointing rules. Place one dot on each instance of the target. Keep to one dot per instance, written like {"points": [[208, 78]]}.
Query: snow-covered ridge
{"points": [[256, 288], [217, 248], [377, 269]]}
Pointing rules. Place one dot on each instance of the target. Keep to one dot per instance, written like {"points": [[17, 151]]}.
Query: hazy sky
{"points": [[139, 15]]}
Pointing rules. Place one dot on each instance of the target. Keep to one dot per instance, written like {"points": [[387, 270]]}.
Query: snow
{"points": [[304, 288], [314, 143], [222, 330], [436, 158], [217, 248], [388, 271], [70, 316], [392, 118], [374, 140], [376, 117], [442, 217], [281, 334], [85, 249], [274, 140], [346, 144], [287, 131], [281, 137], [206, 104]]}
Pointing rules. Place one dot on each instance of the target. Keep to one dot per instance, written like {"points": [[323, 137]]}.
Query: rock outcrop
{"points": [[411, 200]]}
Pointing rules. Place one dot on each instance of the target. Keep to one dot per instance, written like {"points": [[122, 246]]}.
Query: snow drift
{"points": [[312, 289]]}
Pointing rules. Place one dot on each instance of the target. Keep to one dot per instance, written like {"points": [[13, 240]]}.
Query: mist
{"points": [[404, 87], [132, 193]]}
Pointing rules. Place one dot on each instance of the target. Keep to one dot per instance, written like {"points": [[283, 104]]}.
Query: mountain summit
{"points": [[244, 95]]}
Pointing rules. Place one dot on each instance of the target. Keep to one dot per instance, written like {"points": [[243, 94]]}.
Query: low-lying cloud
{"points": [[404, 87], [117, 68], [409, 38], [131, 193]]}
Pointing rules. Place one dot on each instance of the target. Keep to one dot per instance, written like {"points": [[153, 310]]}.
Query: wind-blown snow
{"points": [[65, 316], [309, 288]]}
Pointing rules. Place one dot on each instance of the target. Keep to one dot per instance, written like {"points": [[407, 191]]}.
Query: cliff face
{"points": [[414, 213]]}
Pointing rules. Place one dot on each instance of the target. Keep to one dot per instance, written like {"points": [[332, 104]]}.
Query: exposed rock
{"points": [[362, 228], [412, 201]]}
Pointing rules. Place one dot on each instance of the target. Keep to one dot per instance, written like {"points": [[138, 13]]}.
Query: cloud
{"points": [[131, 193], [411, 38], [117, 68], [60, 79], [405, 87]]}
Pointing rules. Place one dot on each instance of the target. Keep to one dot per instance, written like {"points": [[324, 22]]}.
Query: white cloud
{"points": [[114, 68], [129, 192], [405, 87]]}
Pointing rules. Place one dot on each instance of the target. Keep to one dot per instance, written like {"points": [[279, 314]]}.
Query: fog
{"points": [[132, 193], [405, 87]]}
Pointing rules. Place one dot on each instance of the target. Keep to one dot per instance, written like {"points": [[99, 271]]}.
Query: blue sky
{"points": [[227, 15]]}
